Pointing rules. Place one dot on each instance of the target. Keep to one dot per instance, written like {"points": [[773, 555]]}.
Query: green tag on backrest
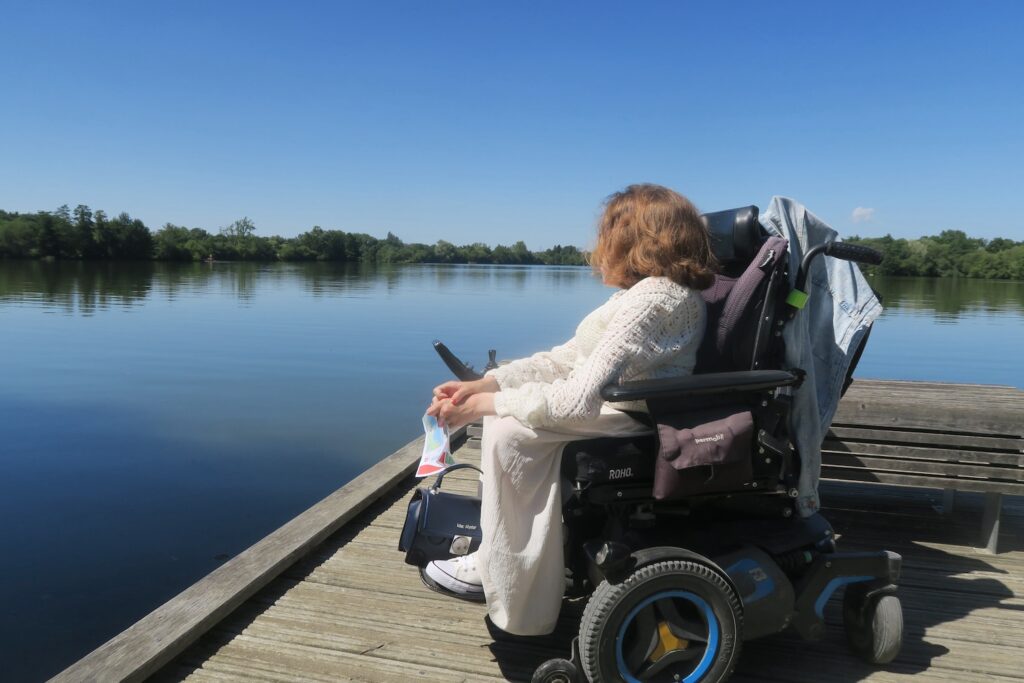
{"points": [[797, 299]]}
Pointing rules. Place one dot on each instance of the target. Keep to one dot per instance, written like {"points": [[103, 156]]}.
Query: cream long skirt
{"points": [[522, 565]]}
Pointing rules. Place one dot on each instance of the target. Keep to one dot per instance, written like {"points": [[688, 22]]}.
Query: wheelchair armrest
{"points": [[699, 385]]}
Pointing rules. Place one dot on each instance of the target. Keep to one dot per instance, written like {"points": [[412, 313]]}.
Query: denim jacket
{"points": [[823, 337]]}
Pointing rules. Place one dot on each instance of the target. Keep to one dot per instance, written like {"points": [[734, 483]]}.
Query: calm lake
{"points": [[156, 419]]}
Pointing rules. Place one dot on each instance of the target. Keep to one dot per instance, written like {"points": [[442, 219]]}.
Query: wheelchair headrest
{"points": [[736, 236]]}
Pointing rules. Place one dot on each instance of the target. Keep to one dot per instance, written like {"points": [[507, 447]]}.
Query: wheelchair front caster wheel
{"points": [[556, 671], [874, 625]]}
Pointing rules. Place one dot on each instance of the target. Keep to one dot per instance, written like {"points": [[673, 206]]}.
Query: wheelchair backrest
{"points": [[743, 303]]}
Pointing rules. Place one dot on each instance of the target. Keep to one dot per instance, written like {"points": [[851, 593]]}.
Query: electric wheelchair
{"points": [[688, 540]]}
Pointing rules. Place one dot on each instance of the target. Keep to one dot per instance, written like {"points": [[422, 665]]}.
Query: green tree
{"points": [[446, 252], [1000, 244], [521, 253], [84, 246], [102, 236], [48, 237], [242, 228], [171, 243], [131, 239], [478, 252], [18, 236], [562, 256]]}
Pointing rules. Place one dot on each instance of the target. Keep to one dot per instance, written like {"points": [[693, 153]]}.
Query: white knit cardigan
{"points": [[651, 330]]}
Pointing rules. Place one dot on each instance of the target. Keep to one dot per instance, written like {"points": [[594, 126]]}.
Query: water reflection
{"points": [[949, 298], [76, 288], [85, 288]]}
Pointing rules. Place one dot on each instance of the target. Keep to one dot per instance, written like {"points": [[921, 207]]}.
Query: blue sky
{"points": [[495, 122]]}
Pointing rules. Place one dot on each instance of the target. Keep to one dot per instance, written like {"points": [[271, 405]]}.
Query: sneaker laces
{"points": [[466, 564]]}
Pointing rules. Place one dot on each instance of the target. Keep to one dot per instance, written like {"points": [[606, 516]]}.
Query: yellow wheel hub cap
{"points": [[667, 642]]}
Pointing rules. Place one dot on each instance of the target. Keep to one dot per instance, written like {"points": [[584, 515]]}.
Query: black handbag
{"points": [[440, 525]]}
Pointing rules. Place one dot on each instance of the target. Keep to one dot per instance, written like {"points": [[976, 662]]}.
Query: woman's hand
{"points": [[457, 392], [469, 410]]}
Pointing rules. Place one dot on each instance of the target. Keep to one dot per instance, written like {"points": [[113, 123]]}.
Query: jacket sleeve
{"points": [[646, 327], [546, 366]]}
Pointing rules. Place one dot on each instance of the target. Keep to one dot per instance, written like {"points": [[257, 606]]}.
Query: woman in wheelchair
{"points": [[703, 534], [653, 246]]}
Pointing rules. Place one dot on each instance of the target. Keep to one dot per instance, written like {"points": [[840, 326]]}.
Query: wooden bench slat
{"points": [[955, 418], [836, 473], [997, 411], [903, 388], [1010, 461], [976, 442], [945, 469]]}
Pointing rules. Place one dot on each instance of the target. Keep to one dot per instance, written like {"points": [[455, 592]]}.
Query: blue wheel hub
{"points": [[671, 636]]}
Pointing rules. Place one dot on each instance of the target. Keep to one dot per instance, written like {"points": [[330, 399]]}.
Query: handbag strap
{"points": [[457, 466]]}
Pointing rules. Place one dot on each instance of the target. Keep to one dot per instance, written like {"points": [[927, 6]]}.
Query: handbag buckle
{"points": [[460, 545]]}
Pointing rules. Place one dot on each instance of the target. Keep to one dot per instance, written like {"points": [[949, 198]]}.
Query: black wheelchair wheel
{"points": [[672, 622], [873, 625], [556, 671]]}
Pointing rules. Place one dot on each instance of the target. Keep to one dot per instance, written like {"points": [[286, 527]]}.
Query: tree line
{"points": [[951, 253], [84, 234]]}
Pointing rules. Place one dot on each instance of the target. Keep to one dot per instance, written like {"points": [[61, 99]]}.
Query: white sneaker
{"points": [[458, 576]]}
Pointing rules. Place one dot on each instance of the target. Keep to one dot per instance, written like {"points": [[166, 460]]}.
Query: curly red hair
{"points": [[649, 230]]}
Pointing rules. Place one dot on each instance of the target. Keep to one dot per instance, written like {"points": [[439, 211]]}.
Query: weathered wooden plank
{"points": [[279, 661], [933, 438], [929, 390], [158, 637], [955, 418], [867, 476], [923, 467], [952, 455], [996, 411]]}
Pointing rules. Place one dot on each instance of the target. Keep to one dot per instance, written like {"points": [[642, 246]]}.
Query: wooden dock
{"points": [[329, 598]]}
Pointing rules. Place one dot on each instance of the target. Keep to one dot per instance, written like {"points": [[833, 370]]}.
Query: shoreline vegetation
{"points": [[87, 235]]}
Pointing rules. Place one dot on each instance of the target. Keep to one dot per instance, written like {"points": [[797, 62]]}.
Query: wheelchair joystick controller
{"points": [[464, 371]]}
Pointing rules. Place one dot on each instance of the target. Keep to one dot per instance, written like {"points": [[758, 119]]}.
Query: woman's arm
{"points": [[458, 403], [460, 391], [648, 325], [546, 366]]}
